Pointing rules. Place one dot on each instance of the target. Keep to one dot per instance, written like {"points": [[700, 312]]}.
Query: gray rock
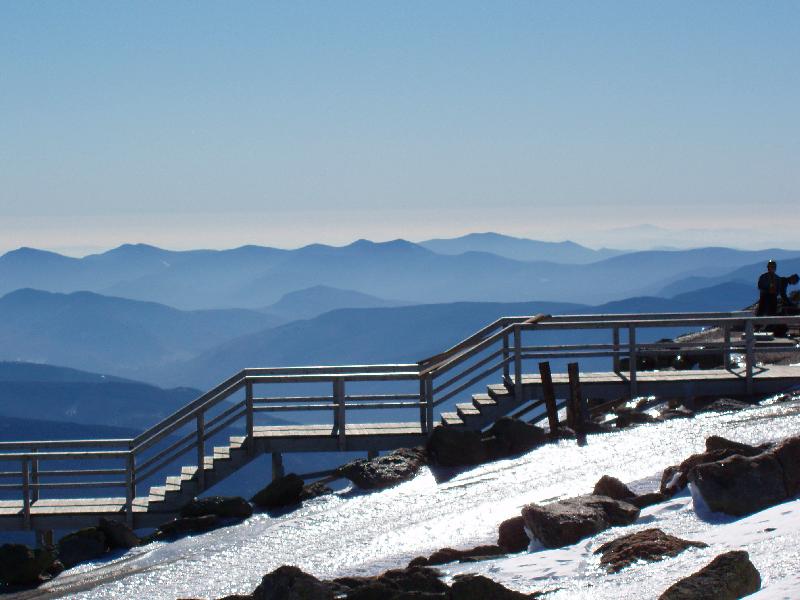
{"points": [[119, 535], [511, 535], [649, 545], [284, 491], [290, 583], [384, 471], [740, 485], [451, 447], [568, 521], [20, 565], [728, 577], [82, 545], [233, 507]]}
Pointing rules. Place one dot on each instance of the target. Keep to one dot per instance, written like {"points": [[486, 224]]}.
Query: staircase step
{"points": [[483, 401], [451, 419], [499, 392], [237, 441], [190, 471], [467, 410]]}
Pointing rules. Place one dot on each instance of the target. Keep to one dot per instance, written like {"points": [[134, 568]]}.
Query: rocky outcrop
{"points": [[448, 555], [20, 565], [395, 583], [649, 545], [680, 412], [728, 577], [82, 545], [511, 535], [716, 442], [450, 447], [724, 405], [284, 491], [628, 416], [513, 436], [314, 490], [648, 499], [225, 507], [290, 583], [613, 488], [568, 521], [477, 587], [118, 535], [787, 453], [384, 471], [676, 477], [185, 526], [740, 485]]}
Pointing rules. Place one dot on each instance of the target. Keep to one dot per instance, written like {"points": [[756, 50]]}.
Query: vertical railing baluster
{"points": [[633, 358], [34, 477], [726, 346], [201, 444], [423, 403], [517, 363], [749, 355], [506, 368], [615, 342], [338, 398], [250, 441], [429, 405], [130, 486], [26, 495]]}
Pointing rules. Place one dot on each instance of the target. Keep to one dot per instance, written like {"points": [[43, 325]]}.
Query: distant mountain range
{"points": [[399, 271]]}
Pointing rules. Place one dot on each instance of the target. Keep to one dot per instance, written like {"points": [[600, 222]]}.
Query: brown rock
{"points": [[20, 565], [186, 525], [676, 477], [787, 453], [119, 535], [515, 436], [478, 587], [314, 490], [82, 545], [284, 491], [613, 488], [234, 507], [728, 577], [451, 447], [716, 442], [649, 544], [448, 555], [511, 535], [384, 471], [290, 583], [645, 500]]}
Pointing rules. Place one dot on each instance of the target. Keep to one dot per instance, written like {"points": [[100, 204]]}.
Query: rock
{"points": [[451, 447], [411, 582], [314, 490], [716, 442], [567, 521], [648, 544], [20, 565], [448, 555], [676, 477], [290, 583], [226, 507], [118, 535], [740, 485], [511, 535], [645, 500], [787, 453], [384, 471], [284, 491], [728, 577], [517, 436], [477, 587], [613, 488], [725, 405], [627, 417], [82, 545], [185, 525]]}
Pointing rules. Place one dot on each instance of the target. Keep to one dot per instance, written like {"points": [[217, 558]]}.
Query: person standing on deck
{"points": [[770, 284]]}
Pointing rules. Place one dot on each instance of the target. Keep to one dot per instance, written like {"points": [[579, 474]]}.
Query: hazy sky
{"points": [[218, 124]]}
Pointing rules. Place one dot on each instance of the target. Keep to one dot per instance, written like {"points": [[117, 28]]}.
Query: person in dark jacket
{"points": [[770, 285]]}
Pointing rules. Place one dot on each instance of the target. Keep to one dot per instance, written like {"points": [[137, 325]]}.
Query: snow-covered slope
{"points": [[359, 534]]}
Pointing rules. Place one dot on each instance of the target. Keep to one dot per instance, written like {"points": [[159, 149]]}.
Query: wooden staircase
{"points": [[484, 409]]}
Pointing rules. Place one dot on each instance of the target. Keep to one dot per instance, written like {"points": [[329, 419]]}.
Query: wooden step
{"points": [[482, 401], [451, 419], [467, 410]]}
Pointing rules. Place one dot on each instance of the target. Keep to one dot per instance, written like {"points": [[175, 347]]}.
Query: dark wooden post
{"points": [[26, 495], [549, 393], [576, 404], [750, 355], [277, 466], [201, 451], [338, 398], [251, 445], [517, 363], [615, 342], [130, 485], [34, 477]]}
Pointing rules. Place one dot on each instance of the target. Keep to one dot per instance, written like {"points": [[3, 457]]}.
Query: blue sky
{"points": [[218, 124]]}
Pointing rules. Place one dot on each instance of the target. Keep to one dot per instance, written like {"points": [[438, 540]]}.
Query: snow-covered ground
{"points": [[353, 533]]}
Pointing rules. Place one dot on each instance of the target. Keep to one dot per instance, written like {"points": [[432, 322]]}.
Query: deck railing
{"points": [[499, 348]]}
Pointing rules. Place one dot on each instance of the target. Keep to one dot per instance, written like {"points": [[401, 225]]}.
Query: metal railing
{"points": [[499, 347]]}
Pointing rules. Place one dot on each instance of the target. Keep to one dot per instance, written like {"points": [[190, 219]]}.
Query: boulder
{"points": [[411, 582], [118, 535], [20, 565], [568, 521], [680, 412], [314, 490], [716, 442], [226, 507], [728, 577], [477, 587], [450, 447], [384, 471], [676, 477], [448, 555], [645, 500], [787, 453], [627, 417], [515, 436], [186, 525], [649, 545], [724, 405], [290, 583], [82, 545], [740, 485], [613, 488], [511, 535], [284, 491]]}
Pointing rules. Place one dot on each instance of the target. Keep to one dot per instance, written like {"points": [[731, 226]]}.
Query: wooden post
{"points": [[277, 466], [576, 405], [726, 346], [250, 441], [429, 405], [338, 398], [423, 403], [34, 477], [517, 363], [749, 355], [26, 495], [130, 486], [633, 358], [506, 354], [549, 393], [201, 445], [615, 342]]}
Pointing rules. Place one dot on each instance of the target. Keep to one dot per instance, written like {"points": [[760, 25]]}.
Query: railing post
{"points": [[338, 398], [130, 486], [577, 411], [505, 358], [615, 342], [34, 477], [26, 495], [633, 358], [749, 355], [517, 363], [201, 451], [423, 403], [429, 405], [548, 391], [277, 466], [726, 346], [249, 417]]}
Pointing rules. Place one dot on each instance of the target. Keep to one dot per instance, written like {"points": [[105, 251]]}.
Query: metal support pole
{"points": [[633, 357], [201, 460], [130, 486], [726, 347], [26, 495], [517, 363], [277, 466], [615, 342], [338, 398], [250, 441], [749, 355]]}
